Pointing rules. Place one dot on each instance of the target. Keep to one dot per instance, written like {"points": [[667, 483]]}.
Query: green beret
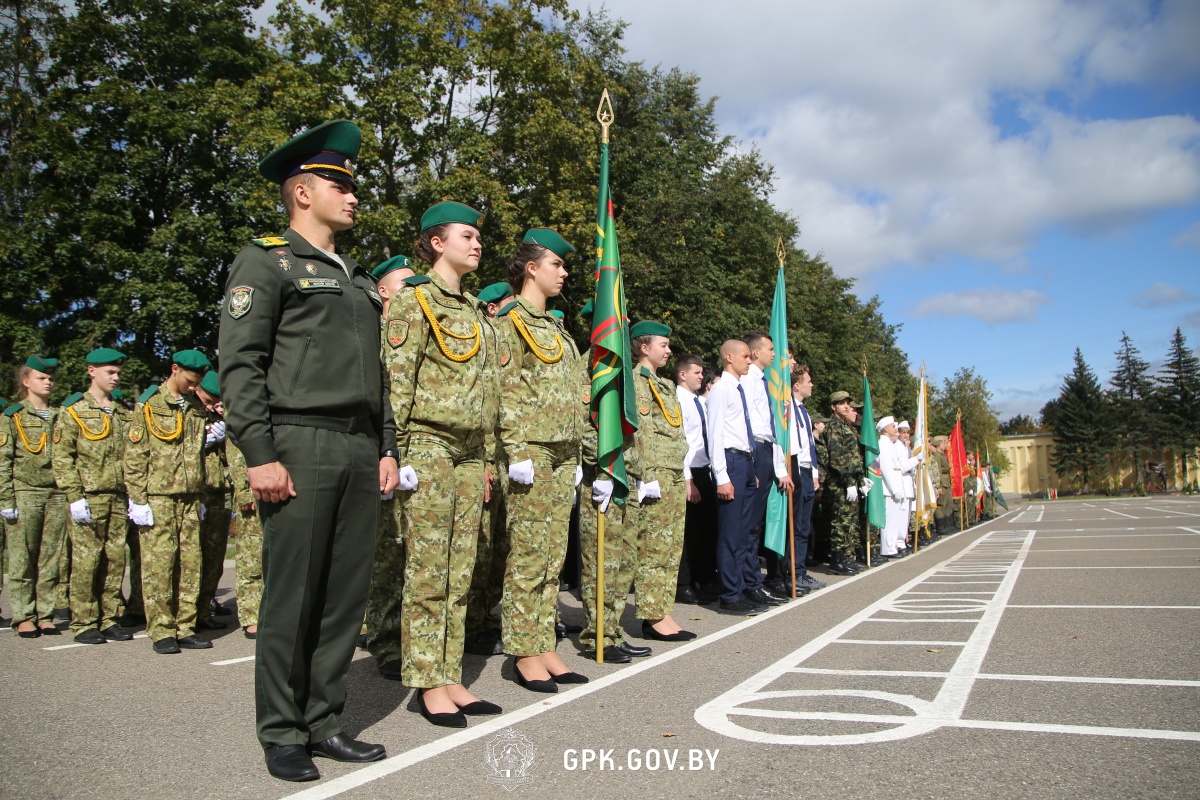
{"points": [[649, 328], [588, 309], [328, 149], [209, 383], [192, 360], [391, 265], [46, 365], [117, 394], [838, 397], [449, 211], [105, 356], [494, 293], [558, 315], [550, 240]]}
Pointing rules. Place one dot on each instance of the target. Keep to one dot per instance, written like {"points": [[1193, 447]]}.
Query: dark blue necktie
{"points": [[770, 412], [703, 424], [746, 416], [802, 412]]}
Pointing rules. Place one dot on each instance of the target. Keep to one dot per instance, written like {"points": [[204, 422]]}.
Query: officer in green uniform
{"points": [[306, 403], [33, 507], [844, 472], [164, 475], [215, 503], [88, 465]]}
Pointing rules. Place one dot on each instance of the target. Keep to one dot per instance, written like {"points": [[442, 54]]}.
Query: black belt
{"points": [[730, 451], [355, 424]]}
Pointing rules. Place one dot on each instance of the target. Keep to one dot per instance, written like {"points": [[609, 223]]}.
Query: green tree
{"points": [[1178, 400], [1079, 417], [1019, 425], [966, 393], [1130, 398]]}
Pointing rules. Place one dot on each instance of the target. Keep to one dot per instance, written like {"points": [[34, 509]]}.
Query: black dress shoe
{"points": [[569, 628], [166, 646], [442, 719], [194, 642], [114, 634], [612, 655], [569, 677], [391, 670], [680, 636], [210, 624], [50, 630], [33, 634], [636, 651], [480, 708], [341, 747], [248, 634], [90, 636], [763, 597], [739, 608], [686, 594], [219, 610], [290, 762], [560, 631], [545, 687], [840, 567]]}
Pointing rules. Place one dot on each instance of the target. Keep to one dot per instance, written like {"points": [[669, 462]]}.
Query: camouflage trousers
{"points": [[64, 568], [387, 584], [539, 518], [491, 559], [171, 566], [620, 562], [248, 566], [133, 542], [660, 544], [845, 529], [214, 539], [35, 546], [98, 564], [441, 528]]}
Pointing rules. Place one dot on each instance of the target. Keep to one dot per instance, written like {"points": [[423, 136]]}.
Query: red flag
{"points": [[958, 460]]}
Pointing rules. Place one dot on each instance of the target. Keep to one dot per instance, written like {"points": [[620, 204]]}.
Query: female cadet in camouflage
{"points": [[844, 471], [662, 493], [539, 429], [30, 501], [441, 361]]}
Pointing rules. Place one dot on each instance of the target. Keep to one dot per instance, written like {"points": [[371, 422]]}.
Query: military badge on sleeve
{"points": [[505, 355], [397, 332], [3, 438], [240, 300]]}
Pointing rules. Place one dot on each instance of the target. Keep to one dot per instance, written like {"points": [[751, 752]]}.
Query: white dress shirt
{"points": [[726, 424], [755, 387], [800, 444], [693, 429]]}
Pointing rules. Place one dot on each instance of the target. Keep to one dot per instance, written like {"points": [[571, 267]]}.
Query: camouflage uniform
{"points": [[843, 469], [944, 516], [442, 408], [491, 551], [214, 528], [88, 451], [382, 623], [248, 567], [35, 540], [662, 446], [164, 468], [538, 422]]}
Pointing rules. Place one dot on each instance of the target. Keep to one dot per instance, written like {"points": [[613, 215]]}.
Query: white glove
{"points": [[387, 496], [521, 472], [865, 487], [602, 493], [921, 457], [408, 478], [852, 494], [9, 514], [216, 433], [141, 514], [578, 473], [203, 511], [652, 491], [81, 512]]}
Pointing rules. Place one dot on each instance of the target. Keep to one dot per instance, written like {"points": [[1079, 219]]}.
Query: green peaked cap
{"points": [[649, 328], [339, 137], [105, 356], [46, 365], [209, 383], [191, 359], [391, 265], [494, 293], [588, 310], [450, 211], [550, 240]]}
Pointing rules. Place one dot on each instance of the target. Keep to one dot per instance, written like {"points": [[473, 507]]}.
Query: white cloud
{"points": [[993, 306], [1162, 294], [1189, 236]]}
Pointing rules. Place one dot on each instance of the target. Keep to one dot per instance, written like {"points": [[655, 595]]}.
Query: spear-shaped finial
{"points": [[781, 252], [605, 115]]}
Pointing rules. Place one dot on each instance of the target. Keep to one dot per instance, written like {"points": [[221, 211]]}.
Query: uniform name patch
{"points": [[397, 332], [240, 300], [318, 283]]}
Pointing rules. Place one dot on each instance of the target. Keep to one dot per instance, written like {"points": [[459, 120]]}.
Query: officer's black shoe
{"points": [[166, 646], [686, 594], [568, 627], [90, 636], [210, 624], [290, 762], [249, 634], [114, 634], [533, 684], [740, 608], [194, 642], [568, 677], [391, 670], [840, 567], [485, 643], [342, 748], [636, 651], [612, 655], [483, 708], [218, 609], [50, 630], [779, 588], [763, 597]]}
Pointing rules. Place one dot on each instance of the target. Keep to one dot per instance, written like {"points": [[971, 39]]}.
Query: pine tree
{"points": [[1080, 423], [1130, 398], [1178, 400]]}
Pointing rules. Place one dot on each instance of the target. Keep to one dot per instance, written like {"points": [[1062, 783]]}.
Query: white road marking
{"points": [[231, 661], [1116, 550], [1148, 608], [1184, 513], [1118, 513], [986, 676], [1151, 534], [71, 646], [904, 643], [1185, 566]]}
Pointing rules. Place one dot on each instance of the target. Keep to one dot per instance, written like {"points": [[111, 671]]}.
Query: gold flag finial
{"points": [[781, 252], [605, 115]]}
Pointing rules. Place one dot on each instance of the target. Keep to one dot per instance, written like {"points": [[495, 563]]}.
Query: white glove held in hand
{"points": [[81, 512], [141, 514], [578, 474], [216, 433], [521, 472], [203, 511], [9, 514], [852, 494], [865, 487], [408, 478], [602, 494], [649, 491], [387, 496]]}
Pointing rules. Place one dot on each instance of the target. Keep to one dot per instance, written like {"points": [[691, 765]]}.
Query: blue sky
{"points": [[1013, 179]]}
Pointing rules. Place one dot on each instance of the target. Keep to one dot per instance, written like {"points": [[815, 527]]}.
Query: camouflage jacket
{"points": [[589, 441], [843, 460], [935, 469], [238, 476], [25, 453], [164, 454], [661, 444], [216, 463], [86, 462]]}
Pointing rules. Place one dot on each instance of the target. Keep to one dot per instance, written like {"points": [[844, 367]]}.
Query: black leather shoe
{"points": [[166, 646], [480, 708], [636, 651], [114, 634], [290, 762], [219, 610], [569, 677], [50, 630], [543, 686], [739, 608], [442, 719], [90, 636], [341, 747], [560, 631], [649, 632], [194, 642], [248, 633], [612, 655], [391, 670], [33, 634], [763, 597], [686, 594], [840, 567], [210, 624], [484, 643]]}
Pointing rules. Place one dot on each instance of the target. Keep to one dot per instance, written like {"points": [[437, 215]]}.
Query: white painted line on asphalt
{"points": [[71, 646], [1184, 513], [1148, 608], [1190, 530], [947, 591], [1187, 566], [926, 643], [231, 661], [1120, 514], [1117, 550], [987, 676], [1152, 534]]}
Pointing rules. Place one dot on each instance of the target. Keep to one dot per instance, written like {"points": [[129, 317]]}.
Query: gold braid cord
{"points": [[33, 449], [538, 350], [159, 433], [88, 433], [674, 420], [439, 329]]}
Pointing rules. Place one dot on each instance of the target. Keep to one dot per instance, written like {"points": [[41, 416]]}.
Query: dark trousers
{"points": [[698, 565], [779, 567], [317, 551], [736, 542]]}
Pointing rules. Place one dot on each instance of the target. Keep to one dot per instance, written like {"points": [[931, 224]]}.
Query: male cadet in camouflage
{"points": [[88, 465], [944, 516], [164, 475], [844, 471], [247, 568], [662, 492], [34, 508], [214, 504], [306, 402]]}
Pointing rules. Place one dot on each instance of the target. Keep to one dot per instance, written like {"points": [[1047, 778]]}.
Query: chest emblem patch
{"points": [[240, 300], [311, 269]]}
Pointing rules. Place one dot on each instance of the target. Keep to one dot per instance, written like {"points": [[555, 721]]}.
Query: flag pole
{"points": [[866, 515], [605, 116], [781, 254]]}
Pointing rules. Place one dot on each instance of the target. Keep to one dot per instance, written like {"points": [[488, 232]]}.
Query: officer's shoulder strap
{"points": [[417, 280], [72, 399], [270, 241], [13, 409], [504, 311], [145, 396]]}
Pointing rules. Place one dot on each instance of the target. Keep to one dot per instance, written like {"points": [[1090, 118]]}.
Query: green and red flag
{"points": [[876, 510], [779, 394]]}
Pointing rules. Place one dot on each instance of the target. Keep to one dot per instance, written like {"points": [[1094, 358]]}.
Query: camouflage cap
{"points": [[838, 397]]}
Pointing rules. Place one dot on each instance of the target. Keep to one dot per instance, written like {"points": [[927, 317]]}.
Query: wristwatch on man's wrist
{"points": [[391, 454]]}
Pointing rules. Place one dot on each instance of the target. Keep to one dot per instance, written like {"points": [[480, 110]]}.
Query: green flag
{"points": [[995, 479], [613, 403], [876, 511], [779, 393]]}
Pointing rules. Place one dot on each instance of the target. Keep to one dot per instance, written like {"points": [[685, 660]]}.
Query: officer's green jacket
{"points": [[25, 460], [539, 366], [164, 454], [299, 339], [85, 461], [661, 445], [843, 457], [944, 475]]}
